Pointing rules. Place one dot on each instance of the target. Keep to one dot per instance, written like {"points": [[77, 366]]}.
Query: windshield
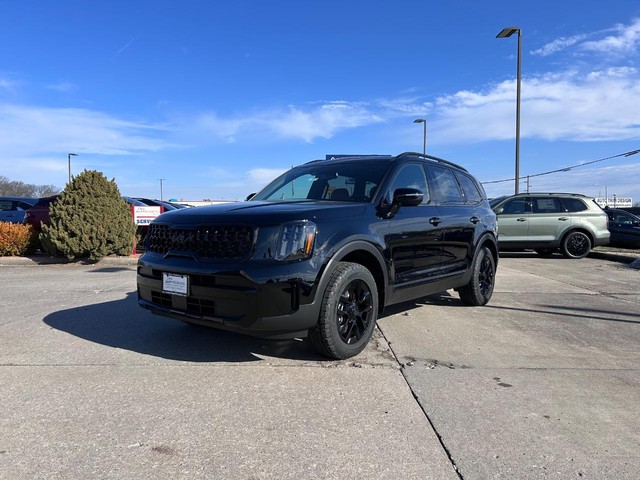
{"points": [[333, 181]]}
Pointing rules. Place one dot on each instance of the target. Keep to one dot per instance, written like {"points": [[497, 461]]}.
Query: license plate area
{"points": [[175, 284]]}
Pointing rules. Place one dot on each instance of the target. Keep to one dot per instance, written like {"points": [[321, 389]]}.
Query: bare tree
{"points": [[16, 188]]}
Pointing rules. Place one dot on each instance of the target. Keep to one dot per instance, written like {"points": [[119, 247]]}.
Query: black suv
{"points": [[323, 249]]}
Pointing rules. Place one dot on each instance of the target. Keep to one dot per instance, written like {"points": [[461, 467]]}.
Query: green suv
{"points": [[546, 222]]}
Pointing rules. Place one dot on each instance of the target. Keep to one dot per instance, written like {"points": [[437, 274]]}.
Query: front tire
{"points": [[483, 272], [576, 245], [348, 312]]}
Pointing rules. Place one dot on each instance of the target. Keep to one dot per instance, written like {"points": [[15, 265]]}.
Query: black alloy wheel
{"points": [[576, 245], [480, 288], [348, 312], [354, 311]]}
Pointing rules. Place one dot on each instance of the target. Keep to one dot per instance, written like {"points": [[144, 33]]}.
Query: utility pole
{"points": [[161, 180]]}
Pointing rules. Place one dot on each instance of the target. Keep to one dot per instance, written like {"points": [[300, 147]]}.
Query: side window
{"points": [[444, 185], [410, 176], [515, 206], [469, 187], [573, 205], [546, 205], [623, 218]]}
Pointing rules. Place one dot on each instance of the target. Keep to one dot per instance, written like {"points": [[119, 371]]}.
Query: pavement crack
{"points": [[402, 368]]}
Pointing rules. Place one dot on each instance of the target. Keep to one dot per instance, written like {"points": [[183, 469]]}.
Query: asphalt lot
{"points": [[543, 382]]}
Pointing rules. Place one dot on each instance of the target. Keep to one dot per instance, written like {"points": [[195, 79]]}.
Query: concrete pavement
{"points": [[542, 382]]}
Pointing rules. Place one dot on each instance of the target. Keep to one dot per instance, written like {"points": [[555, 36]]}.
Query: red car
{"points": [[39, 213]]}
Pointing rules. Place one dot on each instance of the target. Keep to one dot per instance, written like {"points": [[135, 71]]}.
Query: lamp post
{"points": [[69, 155], [423, 121], [161, 180], [505, 33]]}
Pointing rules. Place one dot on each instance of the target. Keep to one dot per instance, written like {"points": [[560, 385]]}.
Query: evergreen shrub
{"points": [[89, 220], [16, 239]]}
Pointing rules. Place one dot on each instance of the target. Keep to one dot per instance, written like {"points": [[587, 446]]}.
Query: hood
{"points": [[262, 213]]}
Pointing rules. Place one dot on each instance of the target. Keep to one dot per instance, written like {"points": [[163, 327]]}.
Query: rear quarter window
{"points": [[573, 205], [470, 188]]}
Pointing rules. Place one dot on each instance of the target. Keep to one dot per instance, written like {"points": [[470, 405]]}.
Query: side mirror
{"points": [[250, 196], [499, 210], [407, 197]]}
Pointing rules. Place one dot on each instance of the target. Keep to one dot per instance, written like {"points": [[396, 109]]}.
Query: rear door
{"points": [[456, 218], [513, 222], [547, 221]]}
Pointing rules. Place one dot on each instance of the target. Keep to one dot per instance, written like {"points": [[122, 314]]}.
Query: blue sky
{"points": [[217, 97]]}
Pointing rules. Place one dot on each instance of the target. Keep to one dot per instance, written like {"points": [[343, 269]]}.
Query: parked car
{"points": [[39, 213], [166, 206], [323, 249], [546, 222], [14, 209], [133, 201], [624, 228]]}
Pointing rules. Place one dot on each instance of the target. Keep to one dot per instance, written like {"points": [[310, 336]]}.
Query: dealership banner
{"points": [[615, 202], [144, 215]]}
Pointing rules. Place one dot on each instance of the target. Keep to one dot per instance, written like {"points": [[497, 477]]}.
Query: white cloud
{"points": [[61, 87], [601, 106], [626, 39], [295, 122], [47, 130], [623, 40], [7, 84], [558, 45]]}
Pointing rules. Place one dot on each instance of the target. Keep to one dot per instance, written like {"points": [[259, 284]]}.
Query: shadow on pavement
{"points": [[589, 313], [122, 324]]}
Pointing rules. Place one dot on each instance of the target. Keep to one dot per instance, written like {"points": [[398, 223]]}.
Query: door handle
{"points": [[563, 219], [474, 220], [435, 221], [522, 220]]}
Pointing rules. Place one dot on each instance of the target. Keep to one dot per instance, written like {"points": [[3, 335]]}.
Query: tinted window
{"points": [[469, 187], [546, 205], [444, 185], [573, 205], [618, 217], [516, 206], [410, 176]]}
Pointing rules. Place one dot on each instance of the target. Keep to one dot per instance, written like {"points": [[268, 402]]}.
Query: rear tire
{"points": [[348, 312], [576, 245], [480, 288]]}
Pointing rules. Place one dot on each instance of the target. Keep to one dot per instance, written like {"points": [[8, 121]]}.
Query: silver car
{"points": [[546, 222]]}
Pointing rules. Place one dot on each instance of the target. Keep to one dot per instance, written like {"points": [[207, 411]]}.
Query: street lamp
{"points": [[161, 180], [505, 33], [69, 155], [423, 121]]}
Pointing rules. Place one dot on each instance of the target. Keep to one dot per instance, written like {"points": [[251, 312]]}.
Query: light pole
{"points": [[423, 121], [161, 180], [505, 33], [69, 155]]}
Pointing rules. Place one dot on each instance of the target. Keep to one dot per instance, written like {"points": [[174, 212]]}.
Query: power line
{"points": [[566, 169]]}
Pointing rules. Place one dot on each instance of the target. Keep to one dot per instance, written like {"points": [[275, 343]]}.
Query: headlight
{"points": [[296, 241]]}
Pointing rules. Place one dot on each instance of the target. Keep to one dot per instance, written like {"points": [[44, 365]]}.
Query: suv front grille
{"points": [[208, 241]]}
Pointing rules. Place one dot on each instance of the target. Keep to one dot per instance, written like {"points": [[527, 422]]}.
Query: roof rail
{"points": [[431, 157]]}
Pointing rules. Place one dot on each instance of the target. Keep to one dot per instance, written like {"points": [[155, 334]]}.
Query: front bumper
{"points": [[233, 301]]}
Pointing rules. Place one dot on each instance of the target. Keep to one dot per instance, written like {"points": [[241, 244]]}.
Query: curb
{"points": [[46, 260]]}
